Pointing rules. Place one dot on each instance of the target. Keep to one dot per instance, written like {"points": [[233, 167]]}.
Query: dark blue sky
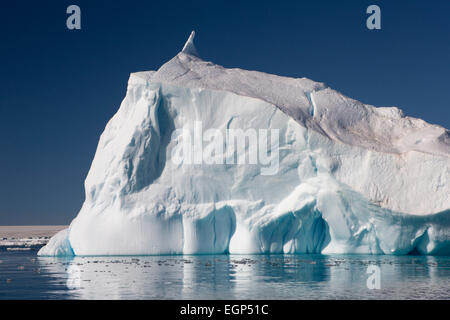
{"points": [[59, 87]]}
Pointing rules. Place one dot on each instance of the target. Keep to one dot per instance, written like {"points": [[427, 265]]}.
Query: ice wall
{"points": [[348, 177]]}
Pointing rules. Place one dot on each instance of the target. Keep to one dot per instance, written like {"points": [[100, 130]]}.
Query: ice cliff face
{"points": [[319, 172]]}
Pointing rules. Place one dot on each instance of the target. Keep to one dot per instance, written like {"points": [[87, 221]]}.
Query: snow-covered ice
{"points": [[14, 238], [351, 178]]}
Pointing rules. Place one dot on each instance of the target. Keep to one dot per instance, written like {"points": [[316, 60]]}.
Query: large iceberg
{"points": [[318, 172]]}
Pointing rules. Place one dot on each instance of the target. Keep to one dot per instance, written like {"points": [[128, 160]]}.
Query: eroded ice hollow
{"points": [[343, 177]]}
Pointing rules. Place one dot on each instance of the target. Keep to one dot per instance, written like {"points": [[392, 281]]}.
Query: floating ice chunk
{"points": [[58, 245]]}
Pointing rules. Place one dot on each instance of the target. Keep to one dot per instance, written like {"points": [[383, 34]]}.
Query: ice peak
{"points": [[189, 47]]}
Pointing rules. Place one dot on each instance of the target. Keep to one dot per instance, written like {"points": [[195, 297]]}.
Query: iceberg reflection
{"points": [[249, 277]]}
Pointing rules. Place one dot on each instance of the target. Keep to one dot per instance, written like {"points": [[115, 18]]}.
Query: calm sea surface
{"points": [[23, 275]]}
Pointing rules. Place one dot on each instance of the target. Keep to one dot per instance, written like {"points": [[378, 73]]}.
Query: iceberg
{"points": [[201, 159]]}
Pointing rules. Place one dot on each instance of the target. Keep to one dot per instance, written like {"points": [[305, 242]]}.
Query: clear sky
{"points": [[59, 87]]}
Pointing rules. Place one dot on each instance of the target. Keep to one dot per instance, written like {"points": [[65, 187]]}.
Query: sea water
{"points": [[23, 275]]}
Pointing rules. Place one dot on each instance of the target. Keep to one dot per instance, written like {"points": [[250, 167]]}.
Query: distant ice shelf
{"points": [[13, 244], [350, 178]]}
